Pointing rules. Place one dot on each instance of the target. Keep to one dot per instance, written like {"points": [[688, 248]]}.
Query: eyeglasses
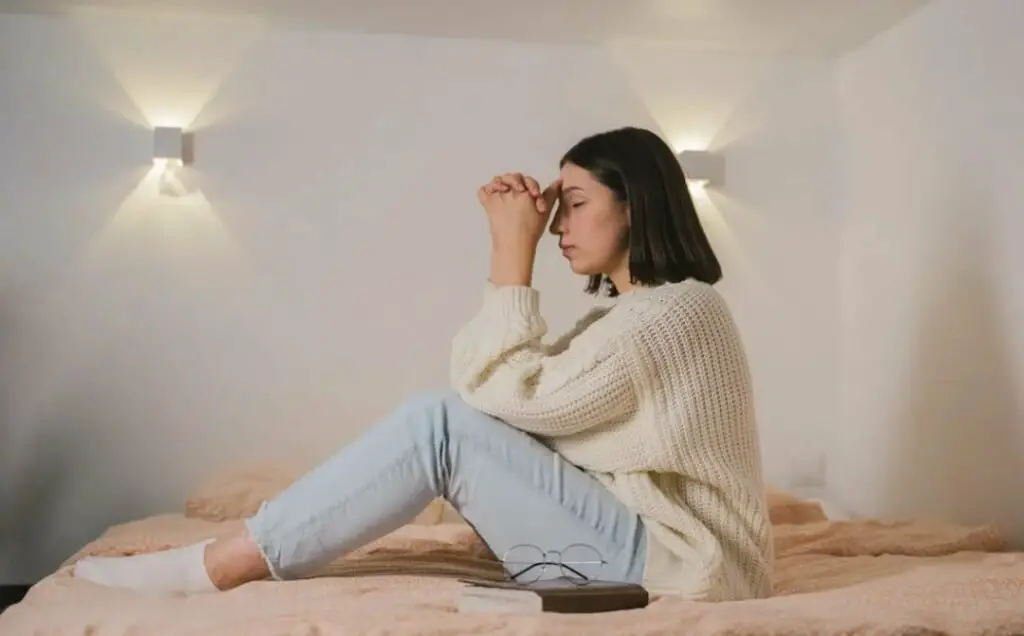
{"points": [[578, 562]]}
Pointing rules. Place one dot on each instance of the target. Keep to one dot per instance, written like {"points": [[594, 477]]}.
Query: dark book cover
{"points": [[552, 595]]}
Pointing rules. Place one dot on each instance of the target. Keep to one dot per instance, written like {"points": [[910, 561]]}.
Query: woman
{"points": [[633, 434]]}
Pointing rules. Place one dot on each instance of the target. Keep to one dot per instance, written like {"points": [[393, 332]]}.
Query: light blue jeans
{"points": [[511, 488]]}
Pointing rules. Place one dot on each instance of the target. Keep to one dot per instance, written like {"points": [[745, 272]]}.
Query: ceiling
{"points": [[813, 27]]}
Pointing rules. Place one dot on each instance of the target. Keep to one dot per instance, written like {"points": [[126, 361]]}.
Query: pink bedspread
{"points": [[856, 577]]}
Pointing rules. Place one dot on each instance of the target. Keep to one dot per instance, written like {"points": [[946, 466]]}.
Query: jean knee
{"points": [[431, 404], [441, 418], [421, 417], [429, 399]]}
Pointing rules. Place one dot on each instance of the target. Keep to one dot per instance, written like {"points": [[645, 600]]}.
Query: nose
{"points": [[557, 221]]}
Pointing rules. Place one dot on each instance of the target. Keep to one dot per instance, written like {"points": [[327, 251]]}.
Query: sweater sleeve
{"points": [[563, 341], [499, 366]]}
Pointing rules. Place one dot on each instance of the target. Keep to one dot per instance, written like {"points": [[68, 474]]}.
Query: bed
{"points": [[857, 576]]}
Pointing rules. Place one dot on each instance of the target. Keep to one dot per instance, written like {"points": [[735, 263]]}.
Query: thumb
{"points": [[549, 197]]}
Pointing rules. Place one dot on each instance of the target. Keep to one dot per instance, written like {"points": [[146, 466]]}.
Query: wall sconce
{"points": [[172, 146], [702, 167], [172, 149]]}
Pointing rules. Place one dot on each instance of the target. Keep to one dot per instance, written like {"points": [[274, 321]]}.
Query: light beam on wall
{"points": [[167, 83], [702, 167]]}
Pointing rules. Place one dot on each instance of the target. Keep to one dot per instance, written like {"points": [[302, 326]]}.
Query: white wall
{"points": [[145, 341], [932, 329]]}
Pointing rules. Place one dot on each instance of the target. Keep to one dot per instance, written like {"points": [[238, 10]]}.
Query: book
{"points": [[550, 595]]}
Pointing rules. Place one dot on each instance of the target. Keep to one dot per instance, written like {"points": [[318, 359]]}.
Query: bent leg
{"points": [[514, 490], [508, 485]]}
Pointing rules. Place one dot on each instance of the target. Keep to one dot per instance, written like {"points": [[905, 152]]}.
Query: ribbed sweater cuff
{"points": [[512, 300]]}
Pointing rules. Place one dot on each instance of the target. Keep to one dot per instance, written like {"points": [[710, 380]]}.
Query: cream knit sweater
{"points": [[653, 397]]}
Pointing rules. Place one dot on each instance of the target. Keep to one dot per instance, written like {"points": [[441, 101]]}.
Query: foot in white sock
{"points": [[176, 570]]}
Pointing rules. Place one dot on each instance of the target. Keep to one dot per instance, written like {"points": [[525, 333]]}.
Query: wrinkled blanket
{"points": [[849, 577]]}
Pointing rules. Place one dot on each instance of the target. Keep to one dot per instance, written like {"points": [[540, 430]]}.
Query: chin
{"points": [[583, 270]]}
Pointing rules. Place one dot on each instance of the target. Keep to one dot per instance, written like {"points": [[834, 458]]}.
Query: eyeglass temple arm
{"points": [[575, 571], [546, 563], [530, 567]]}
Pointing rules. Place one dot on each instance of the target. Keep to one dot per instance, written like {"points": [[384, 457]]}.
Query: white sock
{"points": [[176, 570]]}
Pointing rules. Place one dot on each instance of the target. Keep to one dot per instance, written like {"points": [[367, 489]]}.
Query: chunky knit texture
{"points": [[653, 397]]}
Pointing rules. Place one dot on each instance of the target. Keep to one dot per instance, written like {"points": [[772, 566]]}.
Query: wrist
{"points": [[512, 266]]}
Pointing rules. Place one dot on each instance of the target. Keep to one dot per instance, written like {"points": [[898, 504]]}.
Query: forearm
{"points": [[512, 266], [553, 396], [500, 367], [509, 319]]}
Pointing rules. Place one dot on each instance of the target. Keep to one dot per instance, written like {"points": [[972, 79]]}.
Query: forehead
{"points": [[577, 178]]}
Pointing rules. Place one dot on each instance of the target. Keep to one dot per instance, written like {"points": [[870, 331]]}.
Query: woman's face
{"points": [[591, 223]]}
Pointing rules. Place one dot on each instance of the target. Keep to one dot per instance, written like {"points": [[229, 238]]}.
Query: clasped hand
{"points": [[517, 210]]}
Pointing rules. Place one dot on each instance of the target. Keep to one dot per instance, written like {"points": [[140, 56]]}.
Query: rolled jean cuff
{"points": [[261, 544]]}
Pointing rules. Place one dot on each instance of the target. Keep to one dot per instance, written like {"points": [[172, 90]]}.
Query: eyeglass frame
{"points": [[564, 565]]}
